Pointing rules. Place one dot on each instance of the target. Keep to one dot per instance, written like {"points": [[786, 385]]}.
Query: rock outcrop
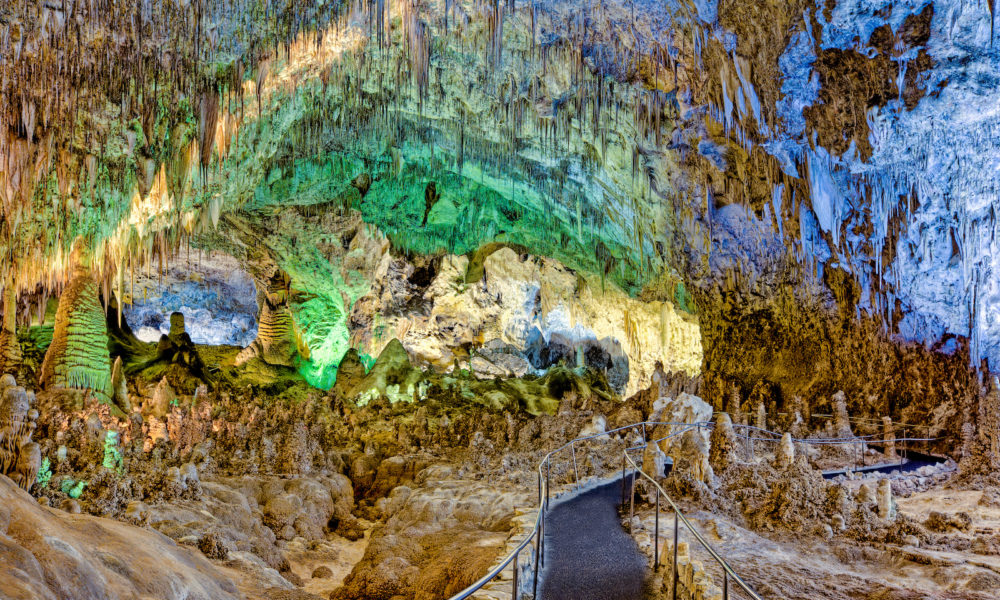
{"points": [[47, 554], [20, 457], [503, 314]]}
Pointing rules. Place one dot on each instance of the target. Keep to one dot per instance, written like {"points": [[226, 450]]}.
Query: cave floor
{"points": [[781, 565]]}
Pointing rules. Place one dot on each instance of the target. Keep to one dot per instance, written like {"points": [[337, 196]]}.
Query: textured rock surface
{"points": [[514, 313], [51, 554], [215, 294], [78, 356], [10, 348], [454, 527]]}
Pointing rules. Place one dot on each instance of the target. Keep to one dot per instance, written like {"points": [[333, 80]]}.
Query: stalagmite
{"points": [[722, 444], [866, 494], [277, 342], [761, 418], [119, 387], [886, 503], [163, 398], [78, 357], [10, 349], [841, 420], [784, 457], [889, 437], [20, 457], [734, 404]]}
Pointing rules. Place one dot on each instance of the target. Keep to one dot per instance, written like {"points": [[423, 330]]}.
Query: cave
{"points": [[507, 299]]}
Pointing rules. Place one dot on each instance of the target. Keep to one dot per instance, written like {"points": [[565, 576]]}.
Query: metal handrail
{"points": [[537, 531], [538, 528], [728, 572]]}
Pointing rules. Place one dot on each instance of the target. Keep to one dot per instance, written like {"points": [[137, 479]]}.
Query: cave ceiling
{"points": [[844, 151]]}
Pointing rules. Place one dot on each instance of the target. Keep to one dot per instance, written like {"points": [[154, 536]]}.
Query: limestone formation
{"points": [[723, 443], [20, 457], [866, 494], [798, 428], [277, 341], [10, 348], [886, 503], [761, 419], [841, 420], [119, 387], [734, 405], [889, 437], [176, 347], [690, 457], [78, 356], [989, 426], [785, 454], [163, 398], [654, 461]]}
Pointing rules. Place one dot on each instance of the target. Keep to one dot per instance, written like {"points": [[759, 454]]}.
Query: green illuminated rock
{"points": [[78, 356]]}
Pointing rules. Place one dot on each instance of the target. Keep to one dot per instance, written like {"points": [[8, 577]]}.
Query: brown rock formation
{"points": [[20, 457], [50, 554], [10, 349]]}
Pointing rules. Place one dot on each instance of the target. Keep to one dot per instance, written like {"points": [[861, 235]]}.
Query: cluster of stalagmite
{"points": [[78, 356], [20, 458], [277, 341]]}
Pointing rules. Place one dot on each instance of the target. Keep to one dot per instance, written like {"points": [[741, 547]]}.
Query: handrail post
{"points": [[513, 592], [548, 464], [538, 556], [623, 476], [576, 472], [643, 433], [673, 592], [541, 541], [656, 534], [905, 432], [725, 585], [631, 501]]}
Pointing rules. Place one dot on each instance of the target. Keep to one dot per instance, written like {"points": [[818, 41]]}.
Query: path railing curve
{"points": [[728, 573], [534, 542]]}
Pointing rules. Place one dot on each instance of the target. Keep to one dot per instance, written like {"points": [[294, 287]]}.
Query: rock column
{"points": [[841, 420], [20, 458], [277, 338], [10, 349], [889, 436], [78, 357]]}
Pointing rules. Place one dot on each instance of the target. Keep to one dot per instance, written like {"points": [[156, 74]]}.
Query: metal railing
{"points": [[855, 445], [728, 574], [536, 537]]}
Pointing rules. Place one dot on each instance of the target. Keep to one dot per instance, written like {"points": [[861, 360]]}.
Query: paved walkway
{"points": [[913, 461], [588, 555]]}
